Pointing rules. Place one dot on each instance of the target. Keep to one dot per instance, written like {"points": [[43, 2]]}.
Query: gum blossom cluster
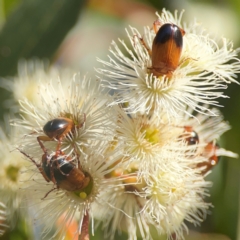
{"points": [[129, 150]]}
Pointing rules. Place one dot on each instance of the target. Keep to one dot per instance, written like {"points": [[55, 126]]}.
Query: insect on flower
{"points": [[191, 136], [61, 171], [166, 49], [58, 128], [210, 152]]}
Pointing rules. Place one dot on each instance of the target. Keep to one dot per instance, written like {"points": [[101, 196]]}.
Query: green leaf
{"points": [[9, 5], [35, 29]]}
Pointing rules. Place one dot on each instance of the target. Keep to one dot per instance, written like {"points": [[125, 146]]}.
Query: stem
{"points": [[84, 235]]}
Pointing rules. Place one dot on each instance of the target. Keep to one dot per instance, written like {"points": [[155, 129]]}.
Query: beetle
{"points": [[166, 49], [58, 128], [191, 136], [211, 155], [61, 171]]}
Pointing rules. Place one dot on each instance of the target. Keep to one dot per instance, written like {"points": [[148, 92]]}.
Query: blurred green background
{"points": [[71, 33]]}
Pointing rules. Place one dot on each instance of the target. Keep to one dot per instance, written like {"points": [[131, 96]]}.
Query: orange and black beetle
{"points": [[166, 49], [58, 128], [61, 171]]}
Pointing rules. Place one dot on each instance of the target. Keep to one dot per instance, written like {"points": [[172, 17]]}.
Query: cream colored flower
{"points": [[157, 200], [137, 159], [205, 68], [82, 103], [11, 179], [31, 75], [52, 202]]}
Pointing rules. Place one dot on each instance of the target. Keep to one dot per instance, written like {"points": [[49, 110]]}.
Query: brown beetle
{"points": [[58, 128], [61, 171], [166, 49]]}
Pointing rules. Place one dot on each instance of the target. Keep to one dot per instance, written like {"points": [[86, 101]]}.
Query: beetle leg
{"points": [[144, 44], [156, 25], [42, 138], [49, 192], [78, 161], [46, 138], [58, 151], [37, 165], [58, 148]]}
